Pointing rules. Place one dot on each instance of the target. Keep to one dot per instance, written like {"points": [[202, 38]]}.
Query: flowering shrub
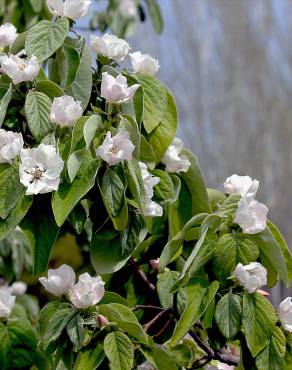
{"points": [[169, 273]]}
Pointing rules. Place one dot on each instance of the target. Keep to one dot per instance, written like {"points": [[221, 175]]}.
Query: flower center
{"points": [[37, 173], [114, 150]]}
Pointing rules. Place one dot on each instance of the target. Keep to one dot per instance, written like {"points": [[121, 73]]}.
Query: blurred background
{"points": [[229, 66]]}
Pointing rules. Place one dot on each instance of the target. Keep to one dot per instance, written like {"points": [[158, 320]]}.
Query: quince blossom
{"points": [[59, 281], [144, 63], [285, 313], [241, 185], [252, 276], [11, 144], [65, 110], [7, 302], [20, 69], [72, 9], [173, 160], [110, 46], [8, 34], [116, 90]]}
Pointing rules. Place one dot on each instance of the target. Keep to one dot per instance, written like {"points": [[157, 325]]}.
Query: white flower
{"points": [[116, 90], [8, 34], [173, 160], [252, 276], [251, 215], [18, 288], [40, 169], [20, 69], [116, 149], [65, 110], [285, 313], [69, 8], [87, 292], [153, 209], [11, 144], [219, 366], [59, 281], [110, 46], [241, 185], [7, 302], [128, 8], [146, 366], [144, 63]]}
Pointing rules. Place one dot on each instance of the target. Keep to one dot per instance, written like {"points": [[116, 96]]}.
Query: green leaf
{"points": [[49, 88], [113, 190], [10, 188], [135, 182], [106, 253], [46, 37], [134, 233], [230, 250], [272, 252], [75, 331], [82, 84], [200, 293], [174, 245], [228, 314], [215, 198], [258, 320], [156, 15], [162, 136], [155, 102], [37, 111], [129, 125], [90, 359], [90, 128], [165, 188], [125, 318], [196, 185], [41, 232], [57, 323], [5, 345], [75, 161], [283, 245], [36, 5], [15, 216], [68, 195], [119, 350], [159, 357], [19, 43], [71, 62], [22, 333], [4, 103], [273, 356], [164, 282], [45, 315]]}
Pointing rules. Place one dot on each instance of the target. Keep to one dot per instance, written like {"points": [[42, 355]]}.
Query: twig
{"points": [[215, 355], [165, 326], [155, 319], [145, 307], [142, 275]]}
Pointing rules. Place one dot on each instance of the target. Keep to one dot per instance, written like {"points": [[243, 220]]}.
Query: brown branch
{"points": [[215, 355], [142, 275], [155, 319], [165, 326], [145, 307]]}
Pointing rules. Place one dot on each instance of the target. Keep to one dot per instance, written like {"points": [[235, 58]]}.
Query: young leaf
{"points": [[4, 103], [258, 320], [159, 357], [166, 280], [90, 359], [119, 350], [113, 190], [199, 295], [46, 37], [135, 182], [90, 128], [37, 111], [5, 345], [228, 314]]}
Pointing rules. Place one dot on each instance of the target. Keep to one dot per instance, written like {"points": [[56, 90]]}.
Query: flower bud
{"points": [[173, 160], [7, 302], [87, 292], [252, 276], [8, 34], [18, 288], [65, 110], [20, 69], [128, 8], [102, 321], [154, 263], [11, 144], [116, 90], [285, 313], [116, 149], [144, 63], [110, 46], [59, 281]]}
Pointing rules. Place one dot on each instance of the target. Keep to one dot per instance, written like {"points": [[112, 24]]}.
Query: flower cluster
{"points": [[87, 292], [250, 215]]}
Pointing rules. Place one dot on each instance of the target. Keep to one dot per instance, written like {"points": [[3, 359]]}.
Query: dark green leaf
{"points": [[90, 359], [49, 88], [113, 190], [119, 350], [228, 314], [4, 103]]}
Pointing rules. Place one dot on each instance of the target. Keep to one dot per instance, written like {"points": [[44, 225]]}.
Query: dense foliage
{"points": [[149, 269]]}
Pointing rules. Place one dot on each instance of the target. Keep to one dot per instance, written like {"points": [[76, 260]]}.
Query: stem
{"points": [[155, 319], [215, 355], [145, 307], [142, 275], [165, 326]]}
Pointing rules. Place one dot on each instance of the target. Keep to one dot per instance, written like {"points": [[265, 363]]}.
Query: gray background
{"points": [[229, 66]]}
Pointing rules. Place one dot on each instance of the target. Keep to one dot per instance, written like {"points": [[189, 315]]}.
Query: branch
{"points": [[145, 307], [155, 319], [142, 275], [215, 355]]}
